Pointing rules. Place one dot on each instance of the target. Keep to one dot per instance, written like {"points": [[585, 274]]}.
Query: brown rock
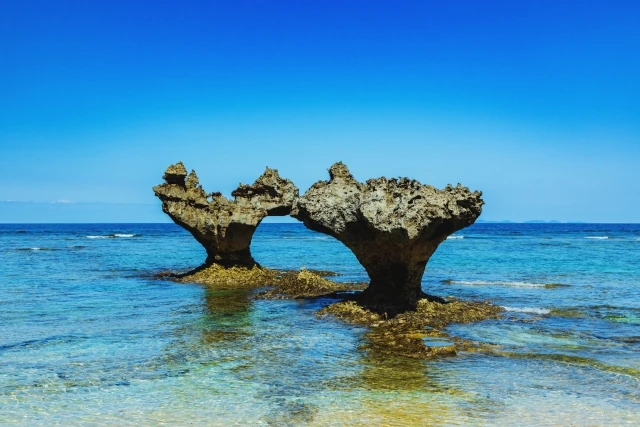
{"points": [[224, 227], [393, 226]]}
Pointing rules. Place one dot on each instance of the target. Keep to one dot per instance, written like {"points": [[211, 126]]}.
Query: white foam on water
{"points": [[528, 310], [112, 236], [496, 283], [454, 237], [597, 237], [36, 249], [306, 238]]}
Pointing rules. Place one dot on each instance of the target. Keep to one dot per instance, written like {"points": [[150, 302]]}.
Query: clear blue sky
{"points": [[536, 103]]}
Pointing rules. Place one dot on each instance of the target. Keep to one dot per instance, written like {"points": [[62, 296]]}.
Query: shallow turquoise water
{"points": [[88, 338]]}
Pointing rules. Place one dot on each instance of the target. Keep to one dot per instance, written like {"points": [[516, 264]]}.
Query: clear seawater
{"points": [[87, 337]]}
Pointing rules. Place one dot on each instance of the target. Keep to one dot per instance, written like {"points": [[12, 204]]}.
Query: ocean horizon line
{"points": [[487, 222]]}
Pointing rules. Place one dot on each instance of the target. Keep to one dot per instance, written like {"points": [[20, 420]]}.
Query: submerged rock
{"points": [[416, 334], [393, 226], [224, 227]]}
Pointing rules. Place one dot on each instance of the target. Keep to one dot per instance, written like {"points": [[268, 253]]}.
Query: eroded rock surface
{"points": [[224, 227], [393, 226]]}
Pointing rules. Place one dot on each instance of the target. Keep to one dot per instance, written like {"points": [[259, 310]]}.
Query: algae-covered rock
{"points": [[352, 312], [393, 226], [219, 277], [306, 284], [224, 227], [279, 284]]}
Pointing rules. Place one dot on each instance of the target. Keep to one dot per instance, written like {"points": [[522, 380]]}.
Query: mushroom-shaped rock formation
{"points": [[224, 227], [393, 226]]}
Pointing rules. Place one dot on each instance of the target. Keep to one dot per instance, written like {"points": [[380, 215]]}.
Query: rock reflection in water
{"points": [[228, 315]]}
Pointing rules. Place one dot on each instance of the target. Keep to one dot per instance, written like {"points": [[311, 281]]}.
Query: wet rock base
{"points": [[307, 284], [277, 284]]}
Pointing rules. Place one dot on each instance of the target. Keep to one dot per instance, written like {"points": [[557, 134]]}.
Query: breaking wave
{"points": [[503, 283], [528, 310], [113, 236], [597, 237], [306, 237], [455, 237], [36, 249]]}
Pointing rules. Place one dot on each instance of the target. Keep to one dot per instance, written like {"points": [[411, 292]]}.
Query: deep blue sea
{"points": [[88, 337]]}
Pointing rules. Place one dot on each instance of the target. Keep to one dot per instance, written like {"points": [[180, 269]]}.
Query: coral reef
{"points": [[224, 227], [393, 226]]}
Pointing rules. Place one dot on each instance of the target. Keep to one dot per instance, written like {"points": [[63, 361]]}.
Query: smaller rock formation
{"points": [[393, 226], [224, 227]]}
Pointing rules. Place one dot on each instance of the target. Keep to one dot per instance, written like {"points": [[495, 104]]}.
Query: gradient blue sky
{"points": [[536, 103]]}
